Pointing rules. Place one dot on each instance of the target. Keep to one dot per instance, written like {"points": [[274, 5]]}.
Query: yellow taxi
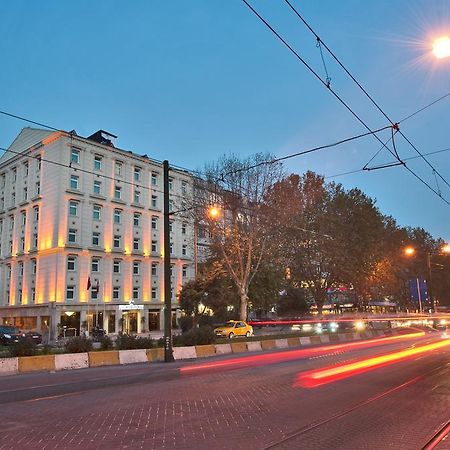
{"points": [[234, 328]]}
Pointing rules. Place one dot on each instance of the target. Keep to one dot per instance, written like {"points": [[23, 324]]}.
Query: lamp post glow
{"points": [[213, 212], [441, 47]]}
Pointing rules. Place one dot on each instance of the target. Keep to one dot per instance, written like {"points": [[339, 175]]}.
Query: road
{"points": [[159, 406]]}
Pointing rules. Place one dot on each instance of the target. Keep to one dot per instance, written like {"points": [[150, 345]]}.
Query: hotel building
{"points": [[81, 235]]}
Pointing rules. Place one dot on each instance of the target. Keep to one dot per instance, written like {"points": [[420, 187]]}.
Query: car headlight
{"points": [[8, 336]]}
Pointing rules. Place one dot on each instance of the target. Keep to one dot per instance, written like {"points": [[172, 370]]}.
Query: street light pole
{"points": [[430, 289], [168, 350]]}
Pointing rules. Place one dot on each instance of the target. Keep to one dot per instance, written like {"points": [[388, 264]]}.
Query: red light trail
{"points": [[327, 375]]}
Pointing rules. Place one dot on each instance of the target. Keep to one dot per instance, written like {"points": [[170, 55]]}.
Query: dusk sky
{"points": [[189, 81]]}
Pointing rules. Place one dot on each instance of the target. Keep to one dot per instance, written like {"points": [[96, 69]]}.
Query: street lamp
{"points": [[213, 212]]}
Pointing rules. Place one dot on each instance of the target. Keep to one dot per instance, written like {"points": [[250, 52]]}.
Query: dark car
{"points": [[34, 336], [10, 335]]}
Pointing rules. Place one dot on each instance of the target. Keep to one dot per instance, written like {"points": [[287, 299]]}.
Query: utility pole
{"points": [[430, 287], [168, 350]]}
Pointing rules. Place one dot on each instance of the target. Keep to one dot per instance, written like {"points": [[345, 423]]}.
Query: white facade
{"points": [[99, 219]]}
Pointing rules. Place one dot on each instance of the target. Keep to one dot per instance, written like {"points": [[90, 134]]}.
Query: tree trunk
{"points": [[243, 305]]}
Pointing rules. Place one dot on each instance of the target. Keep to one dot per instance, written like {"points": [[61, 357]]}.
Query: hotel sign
{"points": [[130, 307]]}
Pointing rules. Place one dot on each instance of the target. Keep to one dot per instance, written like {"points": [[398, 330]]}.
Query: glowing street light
{"points": [[409, 251], [441, 47], [213, 212], [445, 248]]}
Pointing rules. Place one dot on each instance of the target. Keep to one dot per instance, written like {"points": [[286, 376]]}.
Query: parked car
{"points": [[34, 336], [10, 335], [234, 328]]}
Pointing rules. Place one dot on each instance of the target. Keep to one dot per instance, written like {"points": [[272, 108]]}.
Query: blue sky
{"points": [[191, 80]]}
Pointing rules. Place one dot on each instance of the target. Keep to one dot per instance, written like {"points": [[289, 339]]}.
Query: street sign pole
{"points": [[168, 350]]}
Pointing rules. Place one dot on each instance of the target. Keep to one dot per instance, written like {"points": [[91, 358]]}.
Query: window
{"points": [[154, 201], [183, 228], [95, 238], [170, 205], [14, 174], [184, 187], [136, 243], [135, 293], [8, 273], [20, 269], [36, 213], [38, 188], [38, 164], [118, 168], [74, 182], [3, 180], [171, 248], [95, 265], [116, 266], [184, 272], [33, 266], [96, 212], [154, 223], [136, 267], [137, 174], [154, 293], [72, 235], [24, 217], [116, 292], [137, 196], [35, 240], [170, 184], [25, 193], [20, 296], [97, 187], [136, 219], [117, 192], [154, 269], [70, 292], [33, 295], [94, 293], [154, 179], [184, 250], [13, 199], [25, 168], [98, 162], [171, 226], [117, 241], [22, 243], [73, 208], [71, 263], [117, 216], [2, 203], [154, 246], [75, 156], [11, 222]]}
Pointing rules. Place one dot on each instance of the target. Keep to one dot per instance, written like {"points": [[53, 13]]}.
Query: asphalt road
{"points": [[400, 406]]}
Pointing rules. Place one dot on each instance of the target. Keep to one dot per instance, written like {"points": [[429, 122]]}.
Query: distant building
{"points": [[82, 245]]}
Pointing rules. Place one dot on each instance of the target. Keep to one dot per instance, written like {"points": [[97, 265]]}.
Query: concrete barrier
{"points": [[315, 339], [305, 340], [36, 363], [155, 354], [184, 353], [222, 349], [133, 356], [281, 343], [205, 350], [334, 338], [324, 339], [71, 361], [9, 366], [268, 344], [254, 346], [293, 341], [108, 358], [238, 347]]}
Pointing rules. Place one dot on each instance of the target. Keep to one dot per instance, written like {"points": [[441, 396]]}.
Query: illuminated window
{"points": [[154, 269], [135, 293], [154, 223], [96, 212], [71, 263], [98, 162], [170, 184], [136, 243], [116, 292], [117, 241], [72, 235], [73, 208], [117, 192], [36, 213], [136, 267], [154, 201], [95, 265], [184, 271], [154, 246], [137, 173], [118, 168], [75, 156], [33, 266], [137, 197], [136, 219], [24, 217], [117, 216], [95, 238], [70, 292], [74, 182], [116, 266], [97, 187], [183, 228], [184, 250], [154, 179], [154, 293]]}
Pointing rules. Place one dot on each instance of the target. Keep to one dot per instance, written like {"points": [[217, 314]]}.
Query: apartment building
{"points": [[81, 235]]}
